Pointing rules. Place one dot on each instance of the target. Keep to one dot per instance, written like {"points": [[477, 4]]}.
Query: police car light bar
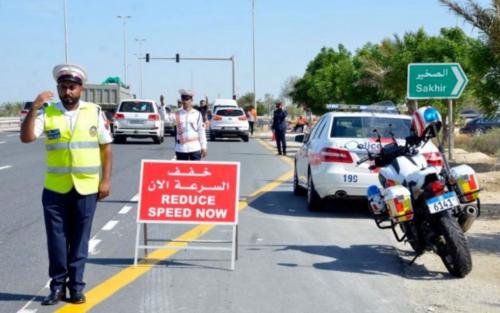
{"points": [[367, 108]]}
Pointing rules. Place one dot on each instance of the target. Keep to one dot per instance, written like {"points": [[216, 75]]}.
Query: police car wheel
{"points": [[297, 189], [157, 140], [313, 199]]}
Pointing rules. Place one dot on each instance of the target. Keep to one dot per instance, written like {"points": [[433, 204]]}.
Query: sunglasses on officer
{"points": [[186, 98]]}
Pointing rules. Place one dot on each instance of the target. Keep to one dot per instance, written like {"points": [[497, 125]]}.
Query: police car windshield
{"points": [[363, 126], [137, 107], [230, 112]]}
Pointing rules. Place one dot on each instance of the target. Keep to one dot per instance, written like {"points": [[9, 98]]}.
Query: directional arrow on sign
{"points": [[435, 81], [461, 81]]}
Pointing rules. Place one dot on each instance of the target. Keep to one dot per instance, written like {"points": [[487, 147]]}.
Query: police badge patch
{"points": [[93, 131]]}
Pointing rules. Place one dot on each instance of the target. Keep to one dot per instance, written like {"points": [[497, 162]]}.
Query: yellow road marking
{"points": [[126, 276], [273, 150]]}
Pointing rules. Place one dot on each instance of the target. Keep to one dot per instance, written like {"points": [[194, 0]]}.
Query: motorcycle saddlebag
{"points": [[467, 184], [398, 201]]}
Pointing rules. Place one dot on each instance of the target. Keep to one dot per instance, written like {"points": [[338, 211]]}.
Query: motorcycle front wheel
{"points": [[453, 248]]}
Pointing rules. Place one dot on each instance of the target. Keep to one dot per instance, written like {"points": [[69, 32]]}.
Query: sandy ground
{"points": [[434, 290], [488, 172]]}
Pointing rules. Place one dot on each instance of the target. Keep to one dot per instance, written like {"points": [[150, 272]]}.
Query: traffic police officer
{"points": [[78, 173], [279, 127], [190, 138]]}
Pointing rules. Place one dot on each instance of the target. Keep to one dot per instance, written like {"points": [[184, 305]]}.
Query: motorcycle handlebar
{"points": [[363, 160]]}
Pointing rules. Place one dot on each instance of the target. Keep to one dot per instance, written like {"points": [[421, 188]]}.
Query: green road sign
{"points": [[435, 81]]}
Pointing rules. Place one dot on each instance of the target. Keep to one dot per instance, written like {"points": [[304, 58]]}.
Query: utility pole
{"points": [[253, 55], [124, 19], [65, 33], [140, 41]]}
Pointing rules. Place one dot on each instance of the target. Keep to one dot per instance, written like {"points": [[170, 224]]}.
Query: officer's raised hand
{"points": [[27, 133], [45, 96]]}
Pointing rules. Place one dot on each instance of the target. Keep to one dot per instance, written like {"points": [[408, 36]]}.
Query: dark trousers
{"points": [[68, 222], [188, 156], [280, 141], [297, 127], [251, 127]]}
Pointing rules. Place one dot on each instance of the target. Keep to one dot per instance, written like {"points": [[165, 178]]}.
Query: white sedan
{"points": [[325, 165]]}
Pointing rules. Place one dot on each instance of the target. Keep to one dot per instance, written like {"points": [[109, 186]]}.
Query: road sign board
{"points": [[188, 192], [435, 81]]}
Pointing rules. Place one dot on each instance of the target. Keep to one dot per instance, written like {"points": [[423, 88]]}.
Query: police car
{"points": [[326, 164]]}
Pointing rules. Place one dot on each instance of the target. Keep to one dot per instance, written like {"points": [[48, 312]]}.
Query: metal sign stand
{"points": [[451, 130], [233, 247]]}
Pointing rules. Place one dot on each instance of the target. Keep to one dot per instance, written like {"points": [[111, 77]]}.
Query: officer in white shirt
{"points": [[190, 138]]}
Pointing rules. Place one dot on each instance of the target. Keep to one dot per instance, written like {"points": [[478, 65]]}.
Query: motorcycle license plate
{"points": [[442, 203]]}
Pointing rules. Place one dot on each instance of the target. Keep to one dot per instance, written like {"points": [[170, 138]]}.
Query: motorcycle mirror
{"points": [[392, 134], [379, 138]]}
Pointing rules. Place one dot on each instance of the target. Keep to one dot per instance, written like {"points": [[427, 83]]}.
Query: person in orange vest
{"points": [[190, 137], [78, 145], [301, 121], [252, 118]]}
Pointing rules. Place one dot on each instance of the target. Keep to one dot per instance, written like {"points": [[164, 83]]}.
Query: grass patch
{"points": [[488, 143]]}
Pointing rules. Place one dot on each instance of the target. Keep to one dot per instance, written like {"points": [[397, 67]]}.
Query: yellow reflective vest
{"points": [[73, 158]]}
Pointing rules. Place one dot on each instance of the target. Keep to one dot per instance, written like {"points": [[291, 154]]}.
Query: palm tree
{"points": [[487, 20]]}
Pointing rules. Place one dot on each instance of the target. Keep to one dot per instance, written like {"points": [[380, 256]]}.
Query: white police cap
{"points": [[69, 72], [185, 92]]}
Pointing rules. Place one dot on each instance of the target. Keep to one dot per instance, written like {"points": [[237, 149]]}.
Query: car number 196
{"points": [[442, 203]]}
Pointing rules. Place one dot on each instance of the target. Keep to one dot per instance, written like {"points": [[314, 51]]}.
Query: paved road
{"points": [[290, 260]]}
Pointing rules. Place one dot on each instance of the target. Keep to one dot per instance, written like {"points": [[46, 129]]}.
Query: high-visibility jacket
{"points": [[73, 158]]}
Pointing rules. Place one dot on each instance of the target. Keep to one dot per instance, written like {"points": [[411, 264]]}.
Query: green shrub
{"points": [[488, 143]]}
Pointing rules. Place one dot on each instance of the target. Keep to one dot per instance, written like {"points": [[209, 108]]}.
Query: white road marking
{"points": [[135, 198], [2, 142], [27, 310], [5, 167], [12, 135], [125, 209], [93, 245], [110, 225]]}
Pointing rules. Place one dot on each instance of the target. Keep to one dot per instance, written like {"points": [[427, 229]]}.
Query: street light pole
{"points": [[253, 54], [65, 33], [124, 19], [140, 41], [233, 78]]}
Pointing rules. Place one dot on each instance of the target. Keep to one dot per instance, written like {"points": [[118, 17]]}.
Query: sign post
{"points": [[179, 192], [437, 81]]}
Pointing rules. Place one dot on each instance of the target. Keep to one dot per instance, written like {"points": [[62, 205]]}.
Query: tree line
{"points": [[378, 71]]}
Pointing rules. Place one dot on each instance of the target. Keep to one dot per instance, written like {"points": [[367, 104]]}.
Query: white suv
{"points": [[229, 122], [138, 118], [325, 165]]}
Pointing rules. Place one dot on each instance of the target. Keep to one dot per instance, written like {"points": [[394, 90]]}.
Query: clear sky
{"points": [[289, 33]]}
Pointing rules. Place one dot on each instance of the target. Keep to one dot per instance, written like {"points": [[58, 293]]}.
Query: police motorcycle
{"points": [[429, 208]]}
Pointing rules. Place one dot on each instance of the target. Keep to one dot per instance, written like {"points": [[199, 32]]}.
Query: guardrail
{"points": [[10, 123]]}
